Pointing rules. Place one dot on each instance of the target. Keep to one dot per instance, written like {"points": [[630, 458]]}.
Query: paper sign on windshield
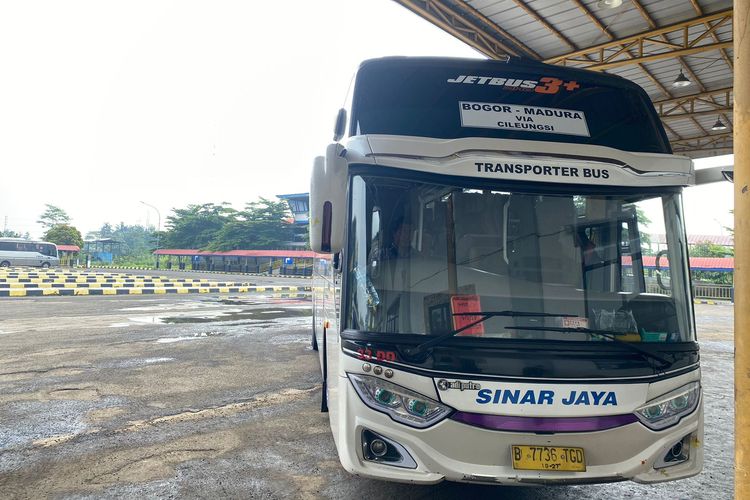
{"points": [[575, 322], [523, 118], [464, 304]]}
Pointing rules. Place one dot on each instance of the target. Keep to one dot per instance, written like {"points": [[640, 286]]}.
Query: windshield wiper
{"points": [[589, 331], [483, 316]]}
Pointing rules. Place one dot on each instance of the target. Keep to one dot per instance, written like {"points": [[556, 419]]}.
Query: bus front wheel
{"points": [[5, 263], [314, 340]]}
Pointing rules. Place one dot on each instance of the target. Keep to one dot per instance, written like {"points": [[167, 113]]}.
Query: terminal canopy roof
{"points": [[679, 51]]}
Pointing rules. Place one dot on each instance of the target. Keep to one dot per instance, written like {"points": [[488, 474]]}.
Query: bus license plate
{"points": [[548, 458]]}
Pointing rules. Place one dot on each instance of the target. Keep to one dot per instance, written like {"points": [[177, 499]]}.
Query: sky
{"points": [[104, 105]]}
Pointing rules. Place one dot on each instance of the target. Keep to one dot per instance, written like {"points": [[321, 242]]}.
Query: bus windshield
{"points": [[423, 254]]}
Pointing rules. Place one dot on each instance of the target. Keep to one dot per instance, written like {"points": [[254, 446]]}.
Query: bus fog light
{"points": [[669, 409], [377, 448], [677, 454], [401, 404]]}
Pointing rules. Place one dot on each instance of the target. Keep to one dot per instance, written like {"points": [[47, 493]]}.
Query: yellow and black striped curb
{"points": [[204, 271], [38, 292], [121, 284], [25, 282], [713, 302]]}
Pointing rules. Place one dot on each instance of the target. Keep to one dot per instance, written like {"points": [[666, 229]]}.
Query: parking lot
{"points": [[218, 396]]}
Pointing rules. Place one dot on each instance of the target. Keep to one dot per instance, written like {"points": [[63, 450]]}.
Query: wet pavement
{"points": [[215, 396]]}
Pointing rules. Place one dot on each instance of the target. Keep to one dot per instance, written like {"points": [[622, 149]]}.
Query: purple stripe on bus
{"points": [[544, 424]]}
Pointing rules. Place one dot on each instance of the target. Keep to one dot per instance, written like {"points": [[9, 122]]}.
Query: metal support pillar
{"points": [[742, 249]]}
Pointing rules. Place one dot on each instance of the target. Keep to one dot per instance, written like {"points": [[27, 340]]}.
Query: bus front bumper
{"points": [[456, 451]]}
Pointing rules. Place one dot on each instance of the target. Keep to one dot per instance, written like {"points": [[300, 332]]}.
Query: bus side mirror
{"points": [[328, 200], [714, 174], [340, 127]]}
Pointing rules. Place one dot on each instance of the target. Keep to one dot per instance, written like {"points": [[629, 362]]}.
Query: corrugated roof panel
{"points": [[715, 80], [508, 8], [665, 13], [490, 7], [685, 128], [709, 6], [621, 22], [682, 124]]}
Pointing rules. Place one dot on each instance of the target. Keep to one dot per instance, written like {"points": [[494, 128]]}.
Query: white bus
{"points": [[20, 252], [485, 316]]}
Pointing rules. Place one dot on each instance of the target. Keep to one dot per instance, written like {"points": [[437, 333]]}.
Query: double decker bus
{"points": [[482, 310]]}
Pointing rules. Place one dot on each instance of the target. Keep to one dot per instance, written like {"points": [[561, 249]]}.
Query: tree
{"points": [[134, 240], [706, 249], [196, 226], [64, 234], [643, 222], [9, 234], [264, 224], [53, 216]]}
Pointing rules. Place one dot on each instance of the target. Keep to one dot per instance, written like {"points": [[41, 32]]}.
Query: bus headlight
{"points": [[670, 408], [401, 404]]}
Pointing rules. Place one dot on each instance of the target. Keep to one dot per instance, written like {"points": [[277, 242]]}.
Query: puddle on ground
{"points": [[289, 339], [196, 336], [160, 319], [238, 302], [167, 306], [136, 362], [255, 324], [247, 314]]}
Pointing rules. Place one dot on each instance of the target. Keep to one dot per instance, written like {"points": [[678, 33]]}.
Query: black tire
{"points": [[314, 341], [5, 263], [324, 396], [45, 265]]}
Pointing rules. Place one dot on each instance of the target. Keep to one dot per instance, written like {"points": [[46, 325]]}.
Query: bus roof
{"points": [[515, 63], [451, 98]]}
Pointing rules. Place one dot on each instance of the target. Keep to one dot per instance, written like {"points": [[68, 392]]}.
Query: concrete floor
{"points": [[210, 396]]}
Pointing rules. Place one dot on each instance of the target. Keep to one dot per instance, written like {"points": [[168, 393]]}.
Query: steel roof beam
{"points": [[724, 55], [693, 152], [656, 57], [700, 95], [701, 141], [663, 40], [688, 116], [603, 53], [720, 101]]}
